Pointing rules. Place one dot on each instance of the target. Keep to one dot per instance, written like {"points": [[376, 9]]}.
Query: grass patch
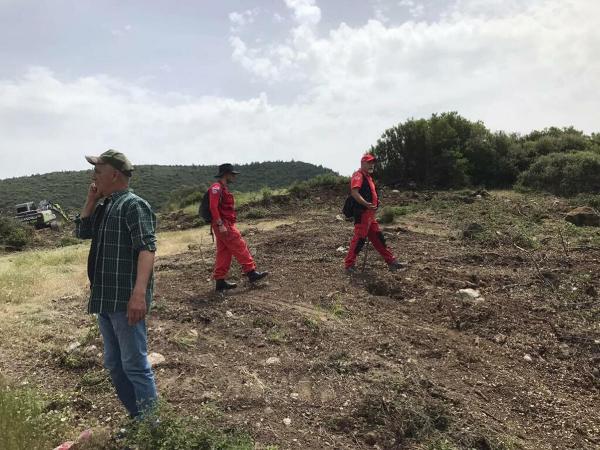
{"points": [[24, 421], [389, 213], [165, 430], [185, 340], [257, 213], [42, 274], [334, 305]]}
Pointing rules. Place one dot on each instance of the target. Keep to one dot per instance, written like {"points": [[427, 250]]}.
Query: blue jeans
{"points": [[125, 357]]}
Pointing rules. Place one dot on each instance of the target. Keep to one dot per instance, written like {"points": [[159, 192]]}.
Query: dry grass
{"points": [[38, 276], [174, 242]]}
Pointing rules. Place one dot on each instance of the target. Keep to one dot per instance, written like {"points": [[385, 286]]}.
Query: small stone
{"points": [[342, 249], [294, 395], [528, 358], [339, 218], [470, 295], [229, 314], [287, 421], [273, 360], [565, 351], [500, 339], [72, 346], [90, 350], [156, 359]]}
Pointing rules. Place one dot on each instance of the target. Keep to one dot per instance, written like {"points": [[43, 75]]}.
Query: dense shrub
{"points": [[13, 234], [564, 173], [305, 189], [448, 151]]}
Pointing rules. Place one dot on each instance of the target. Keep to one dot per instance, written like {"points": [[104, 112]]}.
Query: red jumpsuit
{"points": [[367, 225], [230, 244]]}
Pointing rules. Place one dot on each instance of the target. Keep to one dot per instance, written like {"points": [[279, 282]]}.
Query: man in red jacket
{"points": [[362, 188], [229, 240]]}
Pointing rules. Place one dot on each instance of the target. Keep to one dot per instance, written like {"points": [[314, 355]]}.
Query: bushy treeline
{"points": [[155, 183], [448, 151]]}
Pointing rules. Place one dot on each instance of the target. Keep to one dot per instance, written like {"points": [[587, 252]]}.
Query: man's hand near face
{"points": [[93, 196]]}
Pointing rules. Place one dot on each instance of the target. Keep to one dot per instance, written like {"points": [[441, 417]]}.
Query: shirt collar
{"points": [[117, 194]]}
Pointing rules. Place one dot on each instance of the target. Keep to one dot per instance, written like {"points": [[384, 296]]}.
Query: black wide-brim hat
{"points": [[224, 169]]}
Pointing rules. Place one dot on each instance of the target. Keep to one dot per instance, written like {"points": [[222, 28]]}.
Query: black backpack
{"points": [[349, 207], [352, 209], [204, 209]]}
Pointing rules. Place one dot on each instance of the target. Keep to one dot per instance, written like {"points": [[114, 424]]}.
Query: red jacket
{"points": [[357, 180], [222, 203]]}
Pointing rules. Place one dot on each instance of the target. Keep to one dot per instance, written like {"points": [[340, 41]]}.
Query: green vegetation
{"points": [[305, 189], [25, 422], [448, 151], [166, 430], [160, 185], [564, 173], [13, 234], [389, 213]]}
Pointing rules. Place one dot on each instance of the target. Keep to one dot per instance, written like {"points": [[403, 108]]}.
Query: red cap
{"points": [[368, 157]]}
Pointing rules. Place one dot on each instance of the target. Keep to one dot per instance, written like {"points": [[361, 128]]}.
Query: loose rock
{"points": [[583, 216], [470, 295], [273, 360], [72, 346], [156, 359]]}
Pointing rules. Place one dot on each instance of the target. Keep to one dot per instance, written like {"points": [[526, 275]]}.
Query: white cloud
{"points": [[306, 12], [380, 10], [415, 8], [531, 66], [240, 19]]}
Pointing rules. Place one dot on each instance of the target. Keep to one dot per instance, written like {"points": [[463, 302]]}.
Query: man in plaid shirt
{"points": [[120, 269]]}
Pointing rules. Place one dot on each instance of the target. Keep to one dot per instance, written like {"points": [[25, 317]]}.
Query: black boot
{"points": [[223, 285], [255, 276]]}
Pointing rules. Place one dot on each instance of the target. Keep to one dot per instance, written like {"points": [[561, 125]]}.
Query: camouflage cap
{"points": [[115, 159]]}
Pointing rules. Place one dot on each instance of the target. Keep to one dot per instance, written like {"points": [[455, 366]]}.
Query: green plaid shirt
{"points": [[120, 227]]}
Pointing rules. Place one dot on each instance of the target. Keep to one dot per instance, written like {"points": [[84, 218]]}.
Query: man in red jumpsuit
{"points": [[229, 240], [366, 200]]}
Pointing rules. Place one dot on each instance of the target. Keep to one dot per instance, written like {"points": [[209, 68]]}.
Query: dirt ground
{"points": [[379, 360]]}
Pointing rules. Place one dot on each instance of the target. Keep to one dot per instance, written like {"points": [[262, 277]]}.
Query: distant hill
{"points": [[153, 182]]}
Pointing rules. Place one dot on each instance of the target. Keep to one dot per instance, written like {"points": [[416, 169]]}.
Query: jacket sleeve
{"points": [[356, 181], [141, 223], [214, 197]]}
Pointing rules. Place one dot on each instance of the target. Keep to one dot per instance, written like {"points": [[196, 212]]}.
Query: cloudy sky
{"points": [[207, 81]]}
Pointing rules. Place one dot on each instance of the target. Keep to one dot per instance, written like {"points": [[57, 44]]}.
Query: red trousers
{"points": [[368, 228], [231, 244]]}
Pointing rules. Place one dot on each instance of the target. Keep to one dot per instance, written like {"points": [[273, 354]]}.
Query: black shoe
{"points": [[223, 285], [255, 276], [395, 265]]}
